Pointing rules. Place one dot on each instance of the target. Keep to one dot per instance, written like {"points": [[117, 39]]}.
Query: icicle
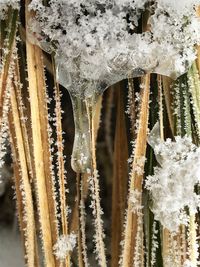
{"points": [[81, 155], [85, 92]]}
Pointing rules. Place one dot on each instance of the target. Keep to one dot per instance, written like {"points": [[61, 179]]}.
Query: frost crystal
{"points": [[64, 245], [188, 263], [96, 43], [138, 166], [135, 200], [173, 183]]}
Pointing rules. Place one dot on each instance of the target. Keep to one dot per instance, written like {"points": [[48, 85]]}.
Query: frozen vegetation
{"points": [[93, 45]]}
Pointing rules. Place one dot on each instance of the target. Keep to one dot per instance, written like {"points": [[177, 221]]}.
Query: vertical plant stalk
{"points": [[23, 118], [41, 148], [160, 101], [60, 161], [12, 25], [194, 88], [2, 36], [187, 110], [120, 174], [94, 186], [27, 141], [82, 192], [193, 248], [131, 105], [167, 83], [108, 118], [81, 262], [82, 219], [135, 178], [25, 196], [165, 232], [183, 243], [192, 224], [198, 48]]}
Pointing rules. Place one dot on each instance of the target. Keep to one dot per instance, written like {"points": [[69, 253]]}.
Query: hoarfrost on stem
{"points": [[64, 245], [135, 200], [173, 184]]}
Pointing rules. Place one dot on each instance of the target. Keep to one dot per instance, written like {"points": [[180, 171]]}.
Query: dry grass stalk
{"points": [[60, 161], [23, 116], [77, 225], [12, 25], [38, 145], [132, 105], [165, 233], [183, 243], [120, 174], [108, 116], [194, 86], [167, 82], [193, 240], [100, 246], [160, 101], [24, 196], [80, 231], [82, 218], [198, 48], [43, 179], [135, 178]]}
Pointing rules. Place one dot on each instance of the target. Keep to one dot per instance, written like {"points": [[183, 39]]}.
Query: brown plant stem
{"points": [[41, 150], [100, 246], [135, 178], [120, 177], [26, 210], [60, 161]]}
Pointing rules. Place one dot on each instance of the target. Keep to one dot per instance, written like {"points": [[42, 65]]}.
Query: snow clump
{"points": [[172, 186]]}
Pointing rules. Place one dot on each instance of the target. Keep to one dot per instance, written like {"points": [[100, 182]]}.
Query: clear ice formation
{"points": [[96, 44], [85, 93]]}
